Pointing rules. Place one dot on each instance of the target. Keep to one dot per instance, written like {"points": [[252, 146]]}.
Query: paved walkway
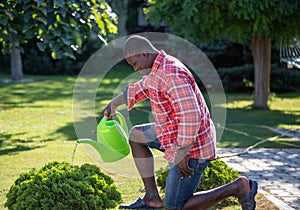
{"points": [[277, 172]]}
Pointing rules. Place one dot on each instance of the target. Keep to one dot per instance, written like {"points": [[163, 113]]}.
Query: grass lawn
{"points": [[36, 127], [246, 126]]}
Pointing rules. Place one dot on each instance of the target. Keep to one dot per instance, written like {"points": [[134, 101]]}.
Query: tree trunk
{"points": [[261, 51], [16, 63]]}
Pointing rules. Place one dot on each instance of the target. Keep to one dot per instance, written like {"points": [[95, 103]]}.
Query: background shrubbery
{"points": [[63, 186], [237, 79], [284, 80], [241, 79]]}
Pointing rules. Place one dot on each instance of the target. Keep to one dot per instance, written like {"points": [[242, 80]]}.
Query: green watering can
{"points": [[112, 136]]}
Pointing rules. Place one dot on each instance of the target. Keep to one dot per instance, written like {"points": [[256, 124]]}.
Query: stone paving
{"points": [[277, 172]]}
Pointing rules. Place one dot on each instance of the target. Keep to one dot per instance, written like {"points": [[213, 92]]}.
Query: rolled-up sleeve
{"points": [[136, 92], [125, 94], [185, 105]]}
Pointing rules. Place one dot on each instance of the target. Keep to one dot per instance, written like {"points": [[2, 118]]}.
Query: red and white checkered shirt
{"points": [[179, 110]]}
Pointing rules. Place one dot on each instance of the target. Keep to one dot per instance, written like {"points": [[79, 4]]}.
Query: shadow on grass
{"points": [[50, 88], [271, 118], [19, 95], [69, 130], [16, 149], [11, 145]]}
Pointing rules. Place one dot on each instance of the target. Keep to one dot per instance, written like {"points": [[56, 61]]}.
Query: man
{"points": [[183, 130]]}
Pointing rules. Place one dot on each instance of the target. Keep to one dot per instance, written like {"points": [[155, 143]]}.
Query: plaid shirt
{"points": [[179, 110]]}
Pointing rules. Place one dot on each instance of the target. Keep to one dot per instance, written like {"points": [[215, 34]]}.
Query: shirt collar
{"points": [[159, 59]]}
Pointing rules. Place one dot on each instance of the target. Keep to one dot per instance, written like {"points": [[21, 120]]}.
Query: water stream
{"points": [[73, 156]]}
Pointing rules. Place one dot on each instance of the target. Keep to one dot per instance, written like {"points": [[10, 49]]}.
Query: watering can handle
{"points": [[122, 122]]}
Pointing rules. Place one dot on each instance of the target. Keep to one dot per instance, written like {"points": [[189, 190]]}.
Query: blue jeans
{"points": [[178, 190]]}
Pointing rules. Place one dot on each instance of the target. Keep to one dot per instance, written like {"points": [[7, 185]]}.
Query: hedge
{"points": [[59, 185]]}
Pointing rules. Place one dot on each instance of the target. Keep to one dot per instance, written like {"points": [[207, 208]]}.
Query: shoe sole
{"points": [[254, 186]]}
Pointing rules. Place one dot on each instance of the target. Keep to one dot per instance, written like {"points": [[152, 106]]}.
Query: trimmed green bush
{"points": [[59, 185], [216, 174]]}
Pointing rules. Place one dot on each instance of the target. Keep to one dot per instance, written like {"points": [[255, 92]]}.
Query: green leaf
{"points": [[41, 46], [40, 32], [57, 54], [39, 2], [27, 26], [66, 41], [78, 42], [14, 37], [3, 19], [49, 8], [43, 10], [54, 45], [29, 34], [26, 6], [63, 11], [51, 20], [77, 37], [27, 16], [42, 20], [69, 52], [73, 23], [43, 27], [59, 3], [56, 32]]}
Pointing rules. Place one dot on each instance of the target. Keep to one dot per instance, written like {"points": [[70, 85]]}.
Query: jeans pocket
{"points": [[201, 165]]}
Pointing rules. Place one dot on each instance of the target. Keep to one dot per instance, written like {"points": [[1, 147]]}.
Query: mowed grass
{"points": [[36, 125], [246, 126]]}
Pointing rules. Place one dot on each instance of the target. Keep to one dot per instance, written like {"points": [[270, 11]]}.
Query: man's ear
{"points": [[144, 54]]}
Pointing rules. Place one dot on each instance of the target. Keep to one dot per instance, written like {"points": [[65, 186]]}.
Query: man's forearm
{"points": [[111, 108], [119, 100]]}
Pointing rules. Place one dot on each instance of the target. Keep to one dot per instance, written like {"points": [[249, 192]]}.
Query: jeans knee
{"points": [[132, 133], [136, 135]]}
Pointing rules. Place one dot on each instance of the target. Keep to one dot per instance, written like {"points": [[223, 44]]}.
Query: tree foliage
{"points": [[60, 25], [235, 20]]}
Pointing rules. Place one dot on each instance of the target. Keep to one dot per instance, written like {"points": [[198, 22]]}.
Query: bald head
{"points": [[136, 44]]}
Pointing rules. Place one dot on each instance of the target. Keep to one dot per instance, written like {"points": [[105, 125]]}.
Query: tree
{"points": [[60, 25], [234, 20]]}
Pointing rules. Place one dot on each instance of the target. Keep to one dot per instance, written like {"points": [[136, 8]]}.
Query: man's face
{"points": [[140, 63]]}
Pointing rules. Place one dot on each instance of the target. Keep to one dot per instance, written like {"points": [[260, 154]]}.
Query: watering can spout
{"points": [[93, 143], [107, 154], [112, 139]]}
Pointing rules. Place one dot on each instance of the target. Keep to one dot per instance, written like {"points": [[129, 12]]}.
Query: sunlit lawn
{"points": [[246, 126], [36, 126]]}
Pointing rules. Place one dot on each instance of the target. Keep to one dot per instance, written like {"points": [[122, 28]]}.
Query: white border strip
{"points": [[279, 203]]}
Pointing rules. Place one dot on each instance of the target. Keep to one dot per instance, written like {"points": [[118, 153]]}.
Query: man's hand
{"points": [[184, 169], [110, 110], [182, 162]]}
